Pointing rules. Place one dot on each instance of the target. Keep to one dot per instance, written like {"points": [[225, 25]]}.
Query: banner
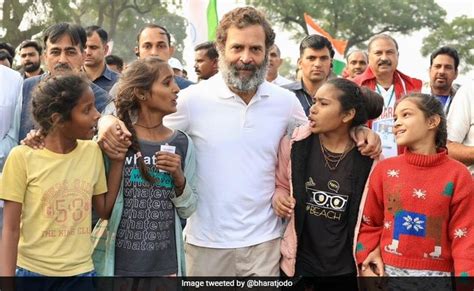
{"points": [[202, 18]]}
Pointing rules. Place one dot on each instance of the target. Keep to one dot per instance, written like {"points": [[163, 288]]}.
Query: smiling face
{"points": [[383, 56], [163, 96], [442, 74], [84, 116], [244, 62], [412, 128]]}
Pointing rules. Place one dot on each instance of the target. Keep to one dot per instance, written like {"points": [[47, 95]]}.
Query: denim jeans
{"points": [[28, 280]]}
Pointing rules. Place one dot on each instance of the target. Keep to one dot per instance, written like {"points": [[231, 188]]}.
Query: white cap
{"points": [[175, 64]]}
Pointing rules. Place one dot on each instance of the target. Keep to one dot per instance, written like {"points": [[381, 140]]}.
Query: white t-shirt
{"points": [[280, 81], [461, 117], [383, 125], [11, 83], [236, 155]]}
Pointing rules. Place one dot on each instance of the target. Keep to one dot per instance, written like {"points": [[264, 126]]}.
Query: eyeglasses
{"points": [[329, 201]]}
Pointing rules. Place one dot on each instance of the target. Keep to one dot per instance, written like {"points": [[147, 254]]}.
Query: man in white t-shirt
{"points": [[461, 126], [236, 120], [274, 63], [10, 111]]}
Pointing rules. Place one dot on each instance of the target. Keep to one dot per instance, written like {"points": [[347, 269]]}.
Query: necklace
{"points": [[148, 127], [332, 160]]}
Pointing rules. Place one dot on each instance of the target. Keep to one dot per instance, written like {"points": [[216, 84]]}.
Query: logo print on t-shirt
{"points": [[326, 204], [333, 185]]}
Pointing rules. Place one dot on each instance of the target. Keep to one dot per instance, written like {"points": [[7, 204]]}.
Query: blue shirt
{"points": [[107, 80], [102, 98]]}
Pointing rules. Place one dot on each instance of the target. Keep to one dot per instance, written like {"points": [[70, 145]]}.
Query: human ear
{"points": [[434, 121], [56, 119], [348, 115]]}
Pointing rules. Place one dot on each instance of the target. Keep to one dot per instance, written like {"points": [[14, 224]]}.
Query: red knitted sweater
{"points": [[419, 210]]}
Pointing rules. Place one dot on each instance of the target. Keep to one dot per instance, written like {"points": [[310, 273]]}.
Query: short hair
{"points": [[241, 18], [317, 42], [5, 55], [152, 25], [31, 43], [210, 47], [446, 50], [114, 60], [103, 35], [277, 49], [8, 47], [74, 31], [357, 51], [381, 36]]}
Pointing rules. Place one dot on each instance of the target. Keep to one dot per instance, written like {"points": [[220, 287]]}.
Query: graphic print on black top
{"points": [[325, 248], [327, 204], [146, 242]]}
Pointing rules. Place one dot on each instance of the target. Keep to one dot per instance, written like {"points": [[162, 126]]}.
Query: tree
{"points": [[354, 20], [15, 13], [458, 34], [120, 18]]}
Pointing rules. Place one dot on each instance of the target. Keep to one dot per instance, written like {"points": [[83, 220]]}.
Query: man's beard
{"points": [[230, 72], [31, 67]]}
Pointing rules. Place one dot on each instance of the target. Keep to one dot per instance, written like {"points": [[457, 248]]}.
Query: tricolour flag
{"points": [[203, 19], [339, 45]]}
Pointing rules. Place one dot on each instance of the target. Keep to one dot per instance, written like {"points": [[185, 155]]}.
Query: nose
{"points": [[246, 57], [155, 51], [96, 114], [63, 58], [174, 87]]}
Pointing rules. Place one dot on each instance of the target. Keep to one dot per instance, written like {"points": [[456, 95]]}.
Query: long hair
{"points": [[135, 82]]}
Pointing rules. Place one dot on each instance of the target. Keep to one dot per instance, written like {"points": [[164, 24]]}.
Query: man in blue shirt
{"points": [[94, 64], [64, 53]]}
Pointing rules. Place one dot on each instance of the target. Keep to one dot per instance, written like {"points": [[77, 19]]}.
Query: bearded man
{"points": [[236, 120]]}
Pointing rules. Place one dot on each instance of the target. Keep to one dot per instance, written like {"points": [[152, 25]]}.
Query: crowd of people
{"points": [[364, 174]]}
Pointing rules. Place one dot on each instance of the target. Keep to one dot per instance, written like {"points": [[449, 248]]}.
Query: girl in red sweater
{"points": [[418, 210]]}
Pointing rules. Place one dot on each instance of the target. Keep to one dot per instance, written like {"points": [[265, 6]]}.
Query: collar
{"points": [[107, 73]]}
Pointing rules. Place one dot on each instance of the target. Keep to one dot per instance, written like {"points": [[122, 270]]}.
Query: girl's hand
{"points": [[115, 142], [113, 135], [171, 163], [373, 264], [34, 139], [284, 205]]}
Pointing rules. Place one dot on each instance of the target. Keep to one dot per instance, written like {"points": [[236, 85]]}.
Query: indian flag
{"points": [[339, 46], [202, 19]]}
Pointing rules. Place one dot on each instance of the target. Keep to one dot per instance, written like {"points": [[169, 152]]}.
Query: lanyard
{"points": [[391, 95]]}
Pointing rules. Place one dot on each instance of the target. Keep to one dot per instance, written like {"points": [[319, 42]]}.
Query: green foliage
{"points": [[122, 19], [354, 20], [458, 34], [288, 68]]}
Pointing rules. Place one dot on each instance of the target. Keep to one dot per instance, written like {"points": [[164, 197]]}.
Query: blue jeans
{"points": [[27, 280]]}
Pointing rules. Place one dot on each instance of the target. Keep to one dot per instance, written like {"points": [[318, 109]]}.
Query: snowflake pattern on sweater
{"points": [[419, 209]]}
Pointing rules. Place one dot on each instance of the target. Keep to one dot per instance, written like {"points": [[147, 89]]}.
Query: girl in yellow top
{"points": [[48, 192]]}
